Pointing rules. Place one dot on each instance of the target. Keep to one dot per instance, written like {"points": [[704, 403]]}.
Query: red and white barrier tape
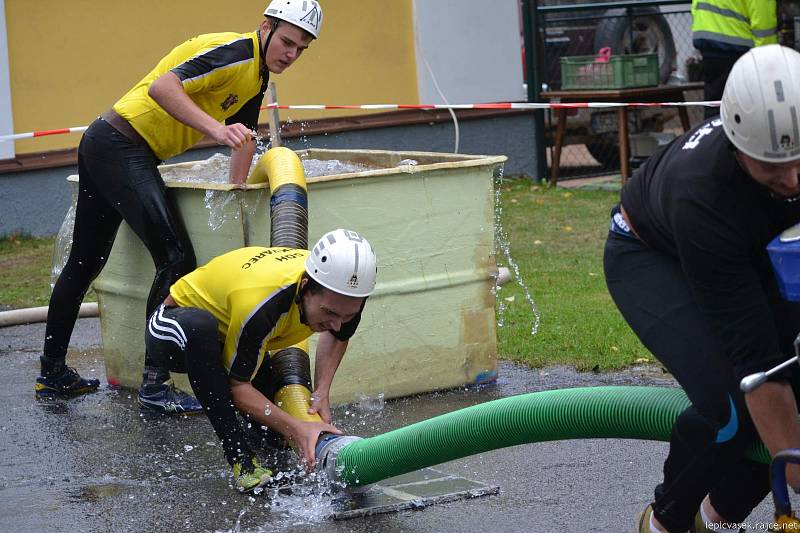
{"points": [[373, 107], [506, 105], [44, 133]]}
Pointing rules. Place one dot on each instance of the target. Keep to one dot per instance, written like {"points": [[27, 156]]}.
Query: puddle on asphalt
{"points": [[98, 458]]}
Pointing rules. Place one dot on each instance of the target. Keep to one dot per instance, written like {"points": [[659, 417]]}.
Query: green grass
{"points": [[25, 267], [556, 237], [25, 264]]}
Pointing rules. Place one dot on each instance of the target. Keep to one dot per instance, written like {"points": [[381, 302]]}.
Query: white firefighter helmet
{"points": [[761, 104], [343, 261], [305, 14]]}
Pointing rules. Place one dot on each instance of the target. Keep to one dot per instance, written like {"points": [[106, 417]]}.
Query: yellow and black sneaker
{"points": [[700, 526], [250, 475], [59, 381], [643, 520]]}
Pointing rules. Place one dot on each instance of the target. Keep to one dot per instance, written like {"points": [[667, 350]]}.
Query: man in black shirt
{"points": [[686, 264]]}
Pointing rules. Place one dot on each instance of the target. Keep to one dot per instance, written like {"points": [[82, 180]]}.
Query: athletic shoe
{"points": [[643, 520], [63, 382], [250, 475], [700, 526], [168, 400]]}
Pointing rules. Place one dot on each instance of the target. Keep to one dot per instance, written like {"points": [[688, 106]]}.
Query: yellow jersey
{"points": [[220, 72], [254, 294]]}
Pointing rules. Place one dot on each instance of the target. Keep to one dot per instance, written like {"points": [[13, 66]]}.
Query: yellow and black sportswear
{"points": [[219, 71], [254, 294]]}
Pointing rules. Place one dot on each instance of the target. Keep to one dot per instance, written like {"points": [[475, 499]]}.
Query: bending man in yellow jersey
{"points": [[220, 322], [210, 85]]}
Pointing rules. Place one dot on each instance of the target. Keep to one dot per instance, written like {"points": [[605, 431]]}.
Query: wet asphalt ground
{"points": [[97, 463]]}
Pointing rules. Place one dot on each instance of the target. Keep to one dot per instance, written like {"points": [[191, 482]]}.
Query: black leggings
{"points": [[709, 438], [715, 73], [186, 340], [119, 180]]}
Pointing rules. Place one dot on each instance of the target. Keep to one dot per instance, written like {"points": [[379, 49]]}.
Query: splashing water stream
{"points": [[501, 238]]}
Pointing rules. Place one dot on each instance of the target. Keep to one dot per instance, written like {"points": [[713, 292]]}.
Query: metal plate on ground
{"points": [[414, 490]]}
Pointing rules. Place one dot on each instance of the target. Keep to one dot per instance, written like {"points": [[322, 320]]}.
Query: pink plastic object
{"points": [[603, 55]]}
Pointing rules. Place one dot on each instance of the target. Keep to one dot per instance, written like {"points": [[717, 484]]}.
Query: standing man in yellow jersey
{"points": [[201, 83], [220, 321], [723, 30]]}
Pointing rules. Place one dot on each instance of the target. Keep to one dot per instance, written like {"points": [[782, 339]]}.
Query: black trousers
{"points": [[185, 340], [715, 73], [119, 180], [706, 454]]}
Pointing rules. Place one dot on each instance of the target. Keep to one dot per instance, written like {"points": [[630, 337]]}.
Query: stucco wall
{"points": [[70, 61]]}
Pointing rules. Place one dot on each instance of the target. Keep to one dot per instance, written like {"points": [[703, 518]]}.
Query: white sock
{"points": [[653, 528], [707, 520]]}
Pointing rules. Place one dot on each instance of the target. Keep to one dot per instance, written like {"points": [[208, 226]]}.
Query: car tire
{"points": [[651, 34], [605, 150]]}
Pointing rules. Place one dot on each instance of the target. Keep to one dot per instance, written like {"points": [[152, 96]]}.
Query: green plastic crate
{"points": [[619, 72]]}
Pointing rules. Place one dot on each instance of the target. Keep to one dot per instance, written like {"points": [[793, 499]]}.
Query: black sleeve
{"points": [[258, 326], [248, 114], [348, 329], [215, 58]]}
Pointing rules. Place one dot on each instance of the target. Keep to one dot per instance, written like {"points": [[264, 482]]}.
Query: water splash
{"points": [[371, 404], [309, 500], [330, 167], [63, 244], [501, 238], [216, 203], [238, 526], [215, 169]]}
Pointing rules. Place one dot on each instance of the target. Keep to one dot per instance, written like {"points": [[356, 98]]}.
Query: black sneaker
{"points": [[168, 400], [63, 384]]}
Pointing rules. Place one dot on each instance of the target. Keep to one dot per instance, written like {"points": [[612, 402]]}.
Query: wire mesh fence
{"points": [[589, 47]]}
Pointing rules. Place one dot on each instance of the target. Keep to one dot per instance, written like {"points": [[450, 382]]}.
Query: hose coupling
{"points": [[328, 447]]}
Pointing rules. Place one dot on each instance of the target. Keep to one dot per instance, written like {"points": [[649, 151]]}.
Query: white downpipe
{"points": [[33, 315], [6, 116]]}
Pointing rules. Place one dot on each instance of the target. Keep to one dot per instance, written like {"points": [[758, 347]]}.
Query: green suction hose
{"points": [[646, 413]]}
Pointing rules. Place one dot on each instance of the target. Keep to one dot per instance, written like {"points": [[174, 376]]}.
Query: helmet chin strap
{"points": [[301, 304], [263, 54]]}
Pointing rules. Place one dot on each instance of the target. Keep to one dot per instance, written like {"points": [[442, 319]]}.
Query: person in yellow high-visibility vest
{"points": [[723, 30]]}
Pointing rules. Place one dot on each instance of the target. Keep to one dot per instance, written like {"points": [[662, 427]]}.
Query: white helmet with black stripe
{"points": [[760, 106], [343, 261], [305, 14]]}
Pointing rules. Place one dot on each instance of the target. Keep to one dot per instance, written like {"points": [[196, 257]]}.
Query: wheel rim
{"points": [[646, 39]]}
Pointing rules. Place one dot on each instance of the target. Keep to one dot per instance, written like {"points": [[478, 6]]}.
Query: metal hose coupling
{"points": [[328, 447]]}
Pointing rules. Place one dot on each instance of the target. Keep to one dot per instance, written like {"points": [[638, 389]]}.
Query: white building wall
{"points": [[6, 117], [473, 48]]}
